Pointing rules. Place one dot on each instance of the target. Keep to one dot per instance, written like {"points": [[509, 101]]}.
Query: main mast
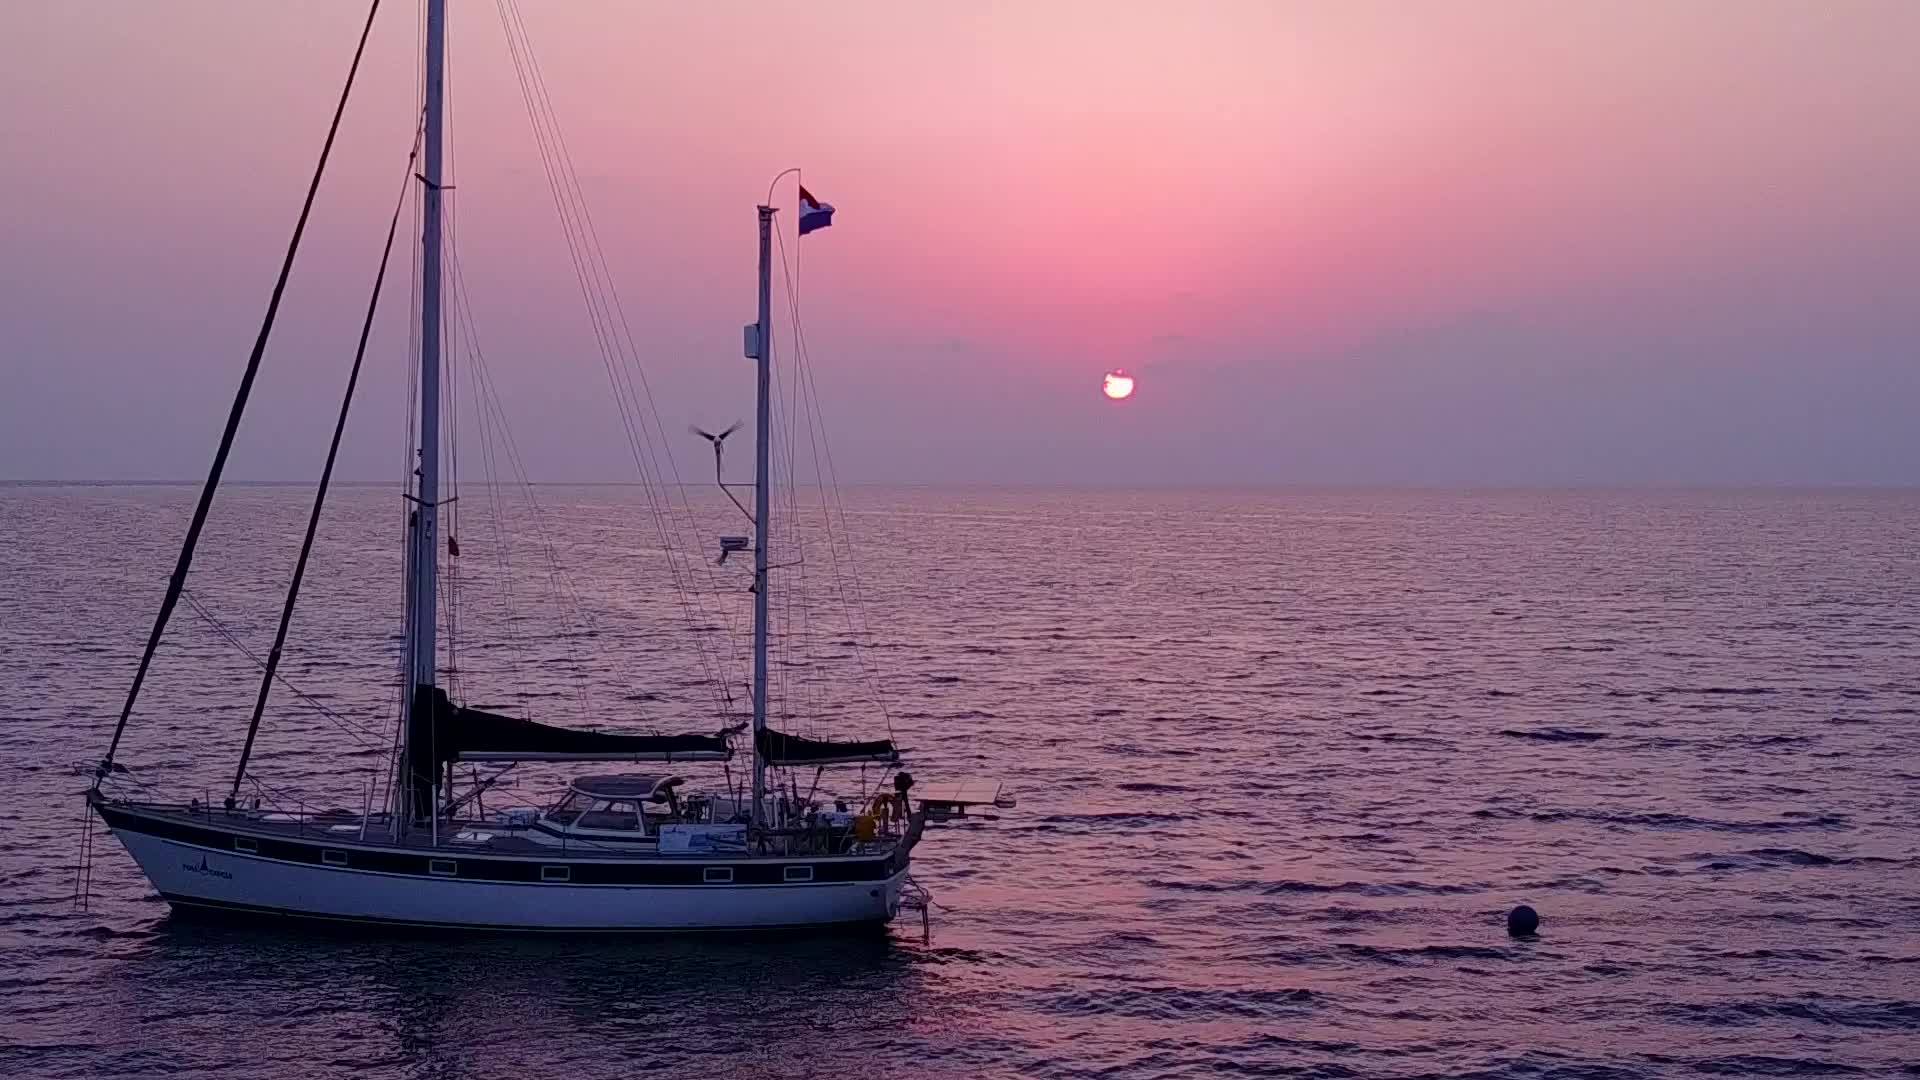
{"points": [[762, 505], [423, 534]]}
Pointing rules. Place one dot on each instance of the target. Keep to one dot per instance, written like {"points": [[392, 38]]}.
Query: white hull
{"points": [[206, 877]]}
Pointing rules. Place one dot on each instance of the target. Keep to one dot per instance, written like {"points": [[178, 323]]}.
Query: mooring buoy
{"points": [[1522, 921]]}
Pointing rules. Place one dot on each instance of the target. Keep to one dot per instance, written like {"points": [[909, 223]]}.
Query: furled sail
{"points": [[777, 748], [453, 733]]}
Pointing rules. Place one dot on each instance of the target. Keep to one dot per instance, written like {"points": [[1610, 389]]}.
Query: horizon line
{"points": [[1298, 485]]}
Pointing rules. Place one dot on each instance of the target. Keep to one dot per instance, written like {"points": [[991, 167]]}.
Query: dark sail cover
{"points": [[459, 734], [440, 732], [781, 749]]}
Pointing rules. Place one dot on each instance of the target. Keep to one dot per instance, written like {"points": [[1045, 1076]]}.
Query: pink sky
{"points": [[1337, 242]]}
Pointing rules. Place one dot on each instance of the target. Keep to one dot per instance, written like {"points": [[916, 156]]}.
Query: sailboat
{"points": [[616, 852]]}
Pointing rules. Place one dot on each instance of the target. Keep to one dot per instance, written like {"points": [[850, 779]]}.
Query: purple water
{"points": [[1284, 760]]}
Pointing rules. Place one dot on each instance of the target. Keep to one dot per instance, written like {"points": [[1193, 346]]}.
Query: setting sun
{"points": [[1117, 385]]}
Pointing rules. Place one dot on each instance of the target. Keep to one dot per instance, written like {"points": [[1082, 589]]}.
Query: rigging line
{"points": [[281, 799], [388, 775], [385, 776], [542, 125], [854, 601], [491, 405], [792, 699], [490, 473], [560, 581], [488, 395], [488, 465], [563, 207], [580, 621], [84, 860], [800, 628], [782, 674], [590, 243], [798, 694], [794, 630], [408, 458], [599, 272], [594, 277], [853, 604], [449, 568], [502, 559], [787, 418], [793, 693], [390, 780], [591, 271], [811, 418], [272, 665], [276, 797], [178, 582], [805, 414], [358, 732], [694, 609]]}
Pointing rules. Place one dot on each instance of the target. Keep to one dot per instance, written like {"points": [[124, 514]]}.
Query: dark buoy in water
{"points": [[1522, 921]]}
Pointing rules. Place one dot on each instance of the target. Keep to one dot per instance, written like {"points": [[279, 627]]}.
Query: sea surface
{"points": [[1283, 760]]}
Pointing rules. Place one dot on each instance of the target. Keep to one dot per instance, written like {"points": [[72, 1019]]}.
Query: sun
{"points": [[1117, 385]]}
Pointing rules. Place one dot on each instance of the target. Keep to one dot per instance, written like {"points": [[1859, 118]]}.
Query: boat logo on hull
{"points": [[206, 870]]}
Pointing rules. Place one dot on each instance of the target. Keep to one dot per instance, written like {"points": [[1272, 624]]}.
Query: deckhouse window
{"points": [[556, 873], [718, 875], [443, 867], [799, 873], [247, 844], [609, 818], [333, 857]]}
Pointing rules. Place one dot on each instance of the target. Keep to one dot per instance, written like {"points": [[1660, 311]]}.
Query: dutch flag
{"points": [[814, 214]]}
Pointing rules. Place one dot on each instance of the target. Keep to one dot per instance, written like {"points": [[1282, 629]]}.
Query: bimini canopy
{"points": [[626, 788], [781, 749], [446, 732]]}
